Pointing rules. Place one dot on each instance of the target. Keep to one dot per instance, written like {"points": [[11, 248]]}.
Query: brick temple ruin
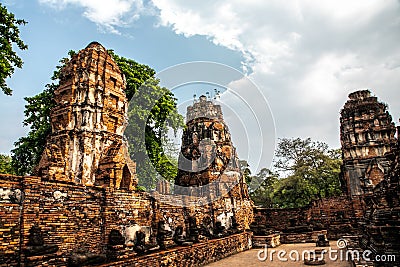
{"points": [[82, 207], [367, 214], [367, 134]]}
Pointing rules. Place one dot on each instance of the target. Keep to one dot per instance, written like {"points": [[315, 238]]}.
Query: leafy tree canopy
{"points": [[304, 170], [5, 164], [266, 180], [152, 112], [9, 35]]}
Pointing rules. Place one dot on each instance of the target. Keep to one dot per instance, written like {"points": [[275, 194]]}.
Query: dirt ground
{"points": [[250, 258]]}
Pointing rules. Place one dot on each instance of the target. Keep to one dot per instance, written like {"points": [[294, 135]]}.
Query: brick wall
{"points": [[69, 215], [10, 224], [337, 215], [76, 218], [194, 255]]}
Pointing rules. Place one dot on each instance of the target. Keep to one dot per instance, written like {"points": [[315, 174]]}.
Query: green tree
{"points": [[311, 170], [9, 35], [135, 73], [152, 112], [293, 192], [262, 195], [5, 164]]}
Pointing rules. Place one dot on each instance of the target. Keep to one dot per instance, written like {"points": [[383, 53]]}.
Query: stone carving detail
{"points": [[179, 236], [366, 134], [86, 144]]}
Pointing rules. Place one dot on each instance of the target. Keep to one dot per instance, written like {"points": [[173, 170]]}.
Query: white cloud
{"points": [[305, 55], [108, 15]]}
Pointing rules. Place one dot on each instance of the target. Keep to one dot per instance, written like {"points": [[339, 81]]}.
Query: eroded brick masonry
{"points": [[82, 207]]}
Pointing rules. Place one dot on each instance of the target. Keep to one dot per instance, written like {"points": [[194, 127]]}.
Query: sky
{"points": [[299, 59]]}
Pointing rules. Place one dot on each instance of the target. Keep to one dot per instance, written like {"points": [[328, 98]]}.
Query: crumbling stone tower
{"points": [[208, 158], [366, 134], [86, 144]]}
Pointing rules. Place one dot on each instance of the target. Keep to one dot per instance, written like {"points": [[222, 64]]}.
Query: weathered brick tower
{"points": [[380, 229], [208, 158], [208, 164], [86, 144], [366, 134]]}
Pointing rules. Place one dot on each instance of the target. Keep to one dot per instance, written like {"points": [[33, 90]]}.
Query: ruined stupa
{"points": [[366, 134], [86, 144], [208, 159]]}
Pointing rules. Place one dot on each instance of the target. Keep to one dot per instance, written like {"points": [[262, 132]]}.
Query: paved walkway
{"points": [[249, 258]]}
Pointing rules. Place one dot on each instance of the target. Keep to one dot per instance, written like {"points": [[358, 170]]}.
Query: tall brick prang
{"points": [[86, 145], [366, 134]]}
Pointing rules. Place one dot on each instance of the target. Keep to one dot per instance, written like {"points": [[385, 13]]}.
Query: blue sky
{"points": [[305, 56]]}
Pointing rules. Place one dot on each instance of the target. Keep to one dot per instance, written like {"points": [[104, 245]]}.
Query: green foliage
{"points": [[153, 108], [152, 111], [140, 188], [5, 164], [263, 194], [304, 170], [312, 171], [293, 192], [28, 149], [135, 73], [9, 35]]}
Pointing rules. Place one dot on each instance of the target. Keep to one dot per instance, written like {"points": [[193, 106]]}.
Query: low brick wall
{"points": [[338, 215], [71, 220], [10, 223], [194, 255], [305, 237]]}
